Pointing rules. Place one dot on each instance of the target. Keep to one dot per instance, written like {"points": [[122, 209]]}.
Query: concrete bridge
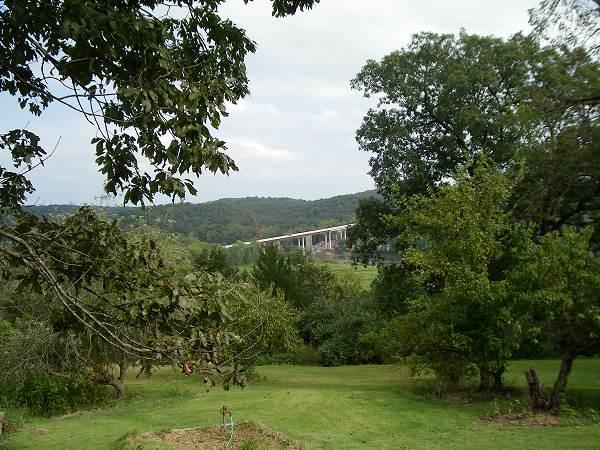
{"points": [[304, 240]]}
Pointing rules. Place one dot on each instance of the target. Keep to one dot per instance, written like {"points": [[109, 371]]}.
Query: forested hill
{"points": [[229, 220]]}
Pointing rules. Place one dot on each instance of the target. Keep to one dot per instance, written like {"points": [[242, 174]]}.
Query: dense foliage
{"points": [[127, 66], [460, 313], [560, 277], [335, 316], [156, 86], [463, 97], [486, 158]]}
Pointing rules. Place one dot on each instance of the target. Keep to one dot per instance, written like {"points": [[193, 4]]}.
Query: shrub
{"points": [[49, 395], [307, 355]]}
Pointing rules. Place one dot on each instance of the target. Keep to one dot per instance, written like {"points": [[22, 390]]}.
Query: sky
{"points": [[294, 135]]}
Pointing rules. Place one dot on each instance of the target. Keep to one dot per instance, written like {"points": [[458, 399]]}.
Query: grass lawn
{"points": [[364, 274], [373, 407]]}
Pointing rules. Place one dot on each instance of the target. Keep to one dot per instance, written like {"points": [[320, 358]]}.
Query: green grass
{"points": [[331, 408], [365, 275]]}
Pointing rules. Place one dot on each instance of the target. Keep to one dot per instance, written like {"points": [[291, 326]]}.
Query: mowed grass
{"points": [[373, 407], [343, 270], [365, 275]]}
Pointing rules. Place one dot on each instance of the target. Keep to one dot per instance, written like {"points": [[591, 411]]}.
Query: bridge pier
{"points": [[308, 244]]}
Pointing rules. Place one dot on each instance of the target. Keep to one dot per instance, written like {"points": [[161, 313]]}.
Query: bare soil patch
{"points": [[246, 435], [85, 413], [476, 395], [526, 419]]}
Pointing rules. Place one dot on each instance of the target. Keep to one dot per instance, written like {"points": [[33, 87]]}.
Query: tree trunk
{"points": [[498, 382], [561, 382], [484, 378], [537, 392], [439, 390], [104, 376], [491, 377], [119, 383]]}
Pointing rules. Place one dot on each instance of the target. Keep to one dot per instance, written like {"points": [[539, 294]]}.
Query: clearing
{"points": [[373, 407]]}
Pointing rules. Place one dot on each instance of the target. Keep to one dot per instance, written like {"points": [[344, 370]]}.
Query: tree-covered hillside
{"points": [[228, 220]]}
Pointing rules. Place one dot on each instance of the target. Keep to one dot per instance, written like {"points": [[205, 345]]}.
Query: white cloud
{"points": [[294, 135], [247, 150]]}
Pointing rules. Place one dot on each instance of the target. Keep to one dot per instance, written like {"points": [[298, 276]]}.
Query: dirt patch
{"points": [[476, 395], [85, 413], [246, 435], [525, 419]]}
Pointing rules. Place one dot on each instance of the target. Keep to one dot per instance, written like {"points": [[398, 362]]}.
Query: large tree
{"points": [[560, 278], [459, 313], [155, 78], [155, 85], [531, 113], [446, 100]]}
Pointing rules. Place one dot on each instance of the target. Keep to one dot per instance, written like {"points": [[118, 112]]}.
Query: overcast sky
{"points": [[294, 135]]}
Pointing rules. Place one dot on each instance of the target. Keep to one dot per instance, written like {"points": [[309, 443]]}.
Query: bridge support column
{"points": [[308, 246]]}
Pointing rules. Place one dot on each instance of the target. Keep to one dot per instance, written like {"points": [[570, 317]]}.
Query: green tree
{"points": [[560, 278], [273, 270], [459, 313], [300, 279], [137, 69], [446, 101], [265, 325], [42, 367], [443, 101], [212, 258], [155, 86]]}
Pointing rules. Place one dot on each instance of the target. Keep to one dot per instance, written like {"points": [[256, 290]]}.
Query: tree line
{"points": [[226, 221]]}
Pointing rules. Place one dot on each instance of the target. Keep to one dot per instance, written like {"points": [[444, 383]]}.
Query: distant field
{"points": [[364, 274], [367, 407]]}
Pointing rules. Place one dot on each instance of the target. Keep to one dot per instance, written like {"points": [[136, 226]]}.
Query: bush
{"points": [[372, 347], [307, 355], [335, 352], [342, 327], [50, 395], [276, 359], [40, 370]]}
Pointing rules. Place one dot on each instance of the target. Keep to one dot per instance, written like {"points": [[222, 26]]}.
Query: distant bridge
{"points": [[304, 239]]}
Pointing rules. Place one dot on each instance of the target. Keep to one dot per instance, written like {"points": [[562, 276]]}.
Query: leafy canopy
{"points": [[154, 78], [446, 101], [156, 86], [460, 309]]}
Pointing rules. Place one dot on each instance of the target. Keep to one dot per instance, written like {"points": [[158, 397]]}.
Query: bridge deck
{"points": [[285, 237]]}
